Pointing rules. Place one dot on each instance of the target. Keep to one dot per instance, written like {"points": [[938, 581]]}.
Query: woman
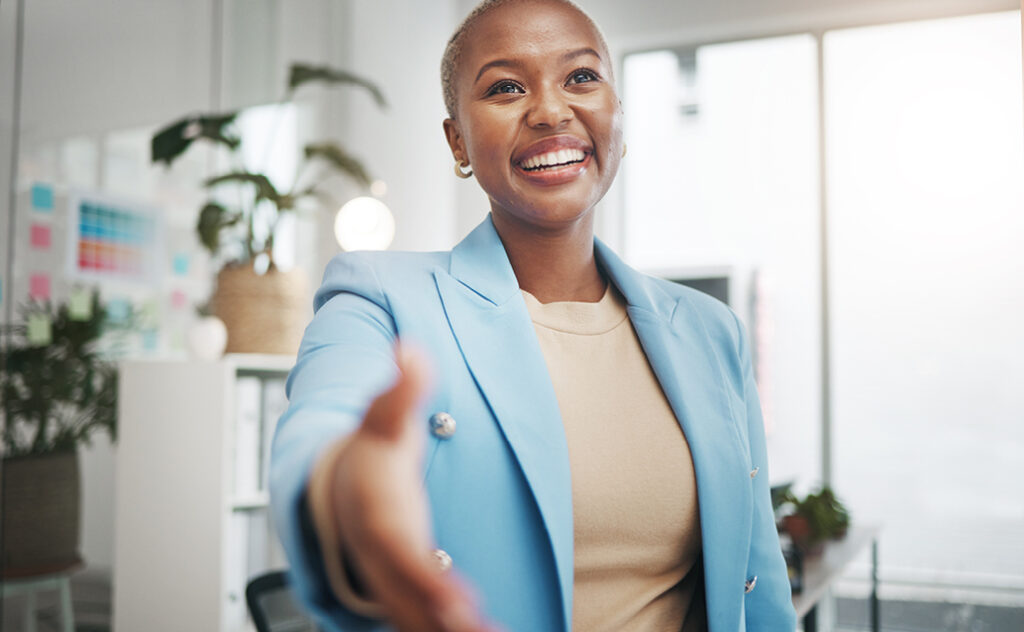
{"points": [[591, 454]]}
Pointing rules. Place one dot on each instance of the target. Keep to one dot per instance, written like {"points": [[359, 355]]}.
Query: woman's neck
{"points": [[553, 265]]}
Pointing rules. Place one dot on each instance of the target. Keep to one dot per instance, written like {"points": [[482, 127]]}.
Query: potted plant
{"points": [[263, 307], [812, 520], [57, 395]]}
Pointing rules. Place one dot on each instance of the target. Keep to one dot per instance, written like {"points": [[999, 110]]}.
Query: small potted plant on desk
{"points": [[814, 519], [58, 391]]}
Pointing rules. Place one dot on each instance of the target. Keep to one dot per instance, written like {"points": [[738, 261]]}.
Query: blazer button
{"points": [[754, 472], [750, 583], [442, 561], [442, 425]]}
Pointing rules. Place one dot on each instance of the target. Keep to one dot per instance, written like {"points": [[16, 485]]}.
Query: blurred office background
{"points": [[847, 174]]}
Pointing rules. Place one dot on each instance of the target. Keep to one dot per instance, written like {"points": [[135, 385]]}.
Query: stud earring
{"points": [[459, 164], [623, 150]]}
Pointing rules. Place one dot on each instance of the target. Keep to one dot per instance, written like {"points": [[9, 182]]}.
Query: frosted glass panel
{"points": [[722, 175], [926, 213]]}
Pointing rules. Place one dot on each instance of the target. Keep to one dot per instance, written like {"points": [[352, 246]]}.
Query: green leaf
{"points": [[172, 141], [212, 219], [339, 159], [264, 188], [305, 73]]}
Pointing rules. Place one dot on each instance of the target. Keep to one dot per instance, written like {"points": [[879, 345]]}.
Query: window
{"points": [[924, 166], [926, 219], [721, 176]]}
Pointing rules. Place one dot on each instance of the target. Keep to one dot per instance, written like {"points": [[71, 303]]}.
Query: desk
{"points": [[821, 571]]}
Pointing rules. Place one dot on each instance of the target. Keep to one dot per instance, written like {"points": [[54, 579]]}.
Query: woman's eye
{"points": [[504, 87], [582, 76]]}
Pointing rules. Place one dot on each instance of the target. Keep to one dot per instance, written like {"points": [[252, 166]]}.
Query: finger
{"points": [[392, 411], [413, 590]]}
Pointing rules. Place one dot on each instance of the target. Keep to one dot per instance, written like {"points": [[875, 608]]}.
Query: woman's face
{"points": [[537, 116]]}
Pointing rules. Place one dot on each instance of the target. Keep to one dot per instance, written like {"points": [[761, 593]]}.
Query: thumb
{"points": [[390, 413]]}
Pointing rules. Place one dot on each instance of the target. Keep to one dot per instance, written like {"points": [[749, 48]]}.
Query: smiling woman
{"points": [[584, 450]]}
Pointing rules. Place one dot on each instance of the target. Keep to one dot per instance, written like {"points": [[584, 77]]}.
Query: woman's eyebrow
{"points": [[497, 63], [509, 63], [579, 52]]}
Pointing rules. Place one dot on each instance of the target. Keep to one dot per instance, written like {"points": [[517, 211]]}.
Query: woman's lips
{"points": [[554, 160]]}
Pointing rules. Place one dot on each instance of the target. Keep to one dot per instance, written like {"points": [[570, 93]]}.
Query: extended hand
{"points": [[382, 511]]}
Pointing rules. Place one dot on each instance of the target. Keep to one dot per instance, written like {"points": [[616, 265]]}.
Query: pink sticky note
{"points": [[178, 299], [39, 286], [39, 236]]}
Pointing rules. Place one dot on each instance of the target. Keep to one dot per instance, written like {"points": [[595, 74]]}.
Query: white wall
{"points": [[652, 23], [399, 44]]}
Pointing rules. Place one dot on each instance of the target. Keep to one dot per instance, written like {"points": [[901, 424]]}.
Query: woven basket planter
{"points": [[41, 513], [263, 313]]}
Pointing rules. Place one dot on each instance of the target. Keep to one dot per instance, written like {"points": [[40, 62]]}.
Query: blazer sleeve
{"points": [[769, 606], [344, 361]]}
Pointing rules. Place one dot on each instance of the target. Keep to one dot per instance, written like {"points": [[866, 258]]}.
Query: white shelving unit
{"points": [[191, 520]]}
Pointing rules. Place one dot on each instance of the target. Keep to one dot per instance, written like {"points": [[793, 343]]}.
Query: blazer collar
{"points": [[480, 263]]}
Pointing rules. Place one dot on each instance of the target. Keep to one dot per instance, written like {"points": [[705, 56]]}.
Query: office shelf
{"points": [[191, 511]]}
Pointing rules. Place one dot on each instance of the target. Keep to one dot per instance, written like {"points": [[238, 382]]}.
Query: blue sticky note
{"points": [[42, 197], [150, 339], [118, 310], [181, 264]]}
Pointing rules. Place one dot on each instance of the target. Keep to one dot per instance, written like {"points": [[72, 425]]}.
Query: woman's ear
{"points": [[455, 143]]}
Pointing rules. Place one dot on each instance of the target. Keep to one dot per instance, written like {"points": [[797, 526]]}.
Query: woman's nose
{"points": [[550, 108]]}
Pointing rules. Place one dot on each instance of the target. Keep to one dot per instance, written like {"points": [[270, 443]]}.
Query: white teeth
{"points": [[560, 157]]}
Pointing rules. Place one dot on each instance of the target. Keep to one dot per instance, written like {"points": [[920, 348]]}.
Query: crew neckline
{"points": [[579, 317]]}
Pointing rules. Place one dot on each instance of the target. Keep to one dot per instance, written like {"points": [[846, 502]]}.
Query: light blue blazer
{"points": [[499, 488]]}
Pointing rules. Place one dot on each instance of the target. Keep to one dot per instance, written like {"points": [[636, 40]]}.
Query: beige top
{"points": [[635, 518]]}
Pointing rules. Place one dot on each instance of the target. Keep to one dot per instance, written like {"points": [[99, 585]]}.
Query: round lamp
{"points": [[364, 223]]}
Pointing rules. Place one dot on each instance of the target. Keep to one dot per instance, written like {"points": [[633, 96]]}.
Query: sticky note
{"points": [[178, 299], [39, 236], [118, 310], [80, 304], [40, 330], [150, 339], [42, 197], [149, 311], [39, 286], [181, 264]]}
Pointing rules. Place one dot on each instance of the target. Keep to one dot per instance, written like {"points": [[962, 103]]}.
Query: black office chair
{"points": [[272, 607]]}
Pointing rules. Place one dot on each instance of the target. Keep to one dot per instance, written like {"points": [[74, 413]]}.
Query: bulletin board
{"points": [[113, 239]]}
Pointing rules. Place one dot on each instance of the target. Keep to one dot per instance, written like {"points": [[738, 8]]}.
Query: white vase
{"points": [[207, 338]]}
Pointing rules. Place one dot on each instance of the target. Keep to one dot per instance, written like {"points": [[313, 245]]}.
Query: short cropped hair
{"points": [[453, 51]]}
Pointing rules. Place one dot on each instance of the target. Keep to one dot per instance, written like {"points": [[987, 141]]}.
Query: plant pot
{"points": [[41, 513], [263, 313], [799, 530]]}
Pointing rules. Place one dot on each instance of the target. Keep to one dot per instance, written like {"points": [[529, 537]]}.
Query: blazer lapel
{"points": [[489, 319], [685, 363]]}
